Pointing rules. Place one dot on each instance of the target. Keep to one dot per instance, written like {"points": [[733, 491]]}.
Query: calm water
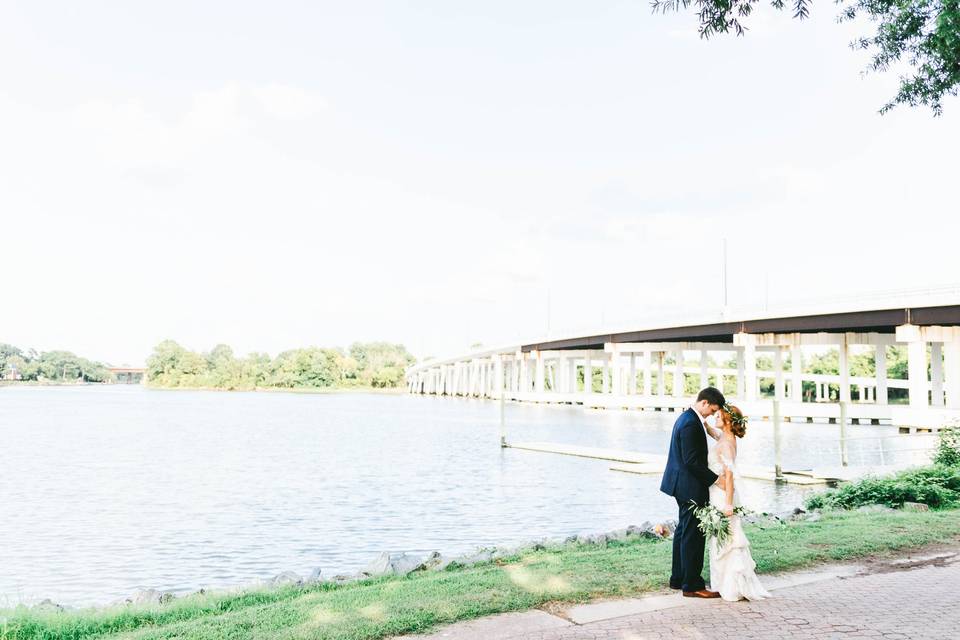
{"points": [[109, 489]]}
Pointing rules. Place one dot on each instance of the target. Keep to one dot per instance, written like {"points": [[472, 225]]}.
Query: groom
{"points": [[687, 478]]}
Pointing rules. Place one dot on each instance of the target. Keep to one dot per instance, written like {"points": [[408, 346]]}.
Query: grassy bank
{"points": [[386, 606]]}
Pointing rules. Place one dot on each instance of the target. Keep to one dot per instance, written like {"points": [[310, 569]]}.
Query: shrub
{"points": [[948, 449], [937, 486]]}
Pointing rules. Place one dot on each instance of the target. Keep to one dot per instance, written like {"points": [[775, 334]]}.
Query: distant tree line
{"points": [[59, 366], [372, 364]]}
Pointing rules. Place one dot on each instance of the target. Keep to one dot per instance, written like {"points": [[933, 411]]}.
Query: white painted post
{"points": [[936, 373], [679, 387], [503, 422], [632, 377], [951, 355], [796, 365], [777, 463], [843, 433], [498, 377]]}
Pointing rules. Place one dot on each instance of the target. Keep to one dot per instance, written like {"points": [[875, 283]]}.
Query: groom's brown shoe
{"points": [[702, 593]]}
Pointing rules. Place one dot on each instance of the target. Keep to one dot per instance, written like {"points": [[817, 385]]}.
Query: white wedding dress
{"points": [[732, 567]]}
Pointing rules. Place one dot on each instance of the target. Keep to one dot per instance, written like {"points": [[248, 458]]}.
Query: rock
{"points": [[797, 511], [285, 579], [315, 576], [915, 506], [620, 535], [570, 539], [480, 555], [387, 564], [345, 578], [435, 562], [814, 517], [599, 539], [874, 508], [48, 605], [151, 596]]}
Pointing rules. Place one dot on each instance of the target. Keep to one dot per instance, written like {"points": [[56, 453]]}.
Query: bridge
{"points": [[655, 365]]}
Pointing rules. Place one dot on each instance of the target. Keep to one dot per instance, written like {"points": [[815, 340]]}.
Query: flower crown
{"points": [[736, 417]]}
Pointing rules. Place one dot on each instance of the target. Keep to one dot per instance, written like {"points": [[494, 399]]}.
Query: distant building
{"points": [[127, 375]]}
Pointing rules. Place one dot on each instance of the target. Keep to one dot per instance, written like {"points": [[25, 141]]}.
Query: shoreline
{"points": [[305, 390], [394, 597]]}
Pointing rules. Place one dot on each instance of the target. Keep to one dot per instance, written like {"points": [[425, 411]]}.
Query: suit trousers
{"points": [[688, 549]]}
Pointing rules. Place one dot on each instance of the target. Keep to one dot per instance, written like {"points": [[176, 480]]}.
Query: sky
{"points": [[442, 174]]}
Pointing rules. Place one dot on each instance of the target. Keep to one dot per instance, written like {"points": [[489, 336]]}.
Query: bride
{"points": [[732, 566]]}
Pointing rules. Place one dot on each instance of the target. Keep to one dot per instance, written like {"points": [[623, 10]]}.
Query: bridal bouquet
{"points": [[713, 523]]}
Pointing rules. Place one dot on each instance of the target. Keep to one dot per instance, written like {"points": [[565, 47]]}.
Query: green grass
{"points": [[388, 606]]}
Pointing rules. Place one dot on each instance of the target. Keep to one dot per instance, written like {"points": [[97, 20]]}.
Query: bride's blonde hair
{"points": [[738, 423]]}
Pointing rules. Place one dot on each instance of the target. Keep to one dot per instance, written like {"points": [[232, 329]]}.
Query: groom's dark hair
{"points": [[712, 396]]}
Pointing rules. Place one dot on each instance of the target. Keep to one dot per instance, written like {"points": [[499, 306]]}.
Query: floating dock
{"points": [[652, 464]]}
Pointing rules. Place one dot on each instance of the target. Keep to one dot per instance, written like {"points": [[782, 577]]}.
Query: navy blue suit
{"points": [[687, 478]]}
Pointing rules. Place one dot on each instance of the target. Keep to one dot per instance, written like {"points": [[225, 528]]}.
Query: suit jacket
{"points": [[686, 476]]}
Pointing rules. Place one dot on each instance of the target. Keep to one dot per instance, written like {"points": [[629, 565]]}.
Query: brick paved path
{"points": [[922, 602]]}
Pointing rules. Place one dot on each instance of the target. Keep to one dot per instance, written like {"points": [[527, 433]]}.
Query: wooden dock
{"points": [[652, 464]]}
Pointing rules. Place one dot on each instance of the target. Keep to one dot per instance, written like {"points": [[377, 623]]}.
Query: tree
{"points": [[925, 34], [7, 352]]}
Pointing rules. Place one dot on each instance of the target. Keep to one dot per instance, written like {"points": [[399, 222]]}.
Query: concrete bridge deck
{"points": [[650, 366]]}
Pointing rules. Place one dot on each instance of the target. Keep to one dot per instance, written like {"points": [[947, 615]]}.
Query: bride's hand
{"points": [[728, 511]]}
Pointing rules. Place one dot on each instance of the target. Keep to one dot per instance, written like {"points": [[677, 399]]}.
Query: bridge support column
{"points": [[916, 365], [539, 372], [704, 371], [563, 374], [616, 372], [844, 348], [936, 374], [605, 374], [661, 378], [951, 356], [880, 364], [747, 365], [498, 376], [588, 372], [632, 376], [645, 373], [679, 385], [796, 380]]}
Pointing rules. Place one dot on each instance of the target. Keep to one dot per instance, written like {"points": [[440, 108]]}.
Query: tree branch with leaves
{"points": [[923, 34]]}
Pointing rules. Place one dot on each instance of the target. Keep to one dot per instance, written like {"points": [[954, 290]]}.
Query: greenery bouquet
{"points": [[713, 523]]}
